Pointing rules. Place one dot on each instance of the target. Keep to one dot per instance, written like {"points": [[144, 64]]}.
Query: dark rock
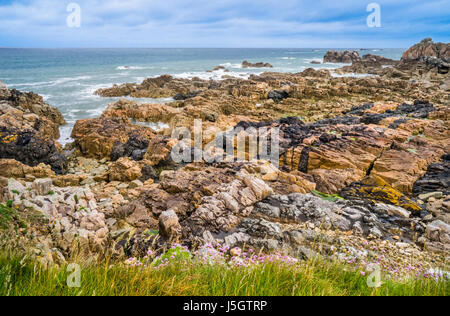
{"points": [[149, 173], [135, 147], [359, 110], [397, 123], [31, 149], [278, 95], [341, 120], [190, 95], [437, 178], [420, 109]]}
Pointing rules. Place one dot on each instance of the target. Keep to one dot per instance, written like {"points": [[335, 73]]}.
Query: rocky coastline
{"points": [[363, 167]]}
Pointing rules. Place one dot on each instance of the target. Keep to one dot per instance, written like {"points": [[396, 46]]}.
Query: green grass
{"points": [[7, 215], [22, 278]]}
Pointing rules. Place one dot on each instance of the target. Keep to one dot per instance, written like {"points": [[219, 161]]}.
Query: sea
{"points": [[67, 78]]}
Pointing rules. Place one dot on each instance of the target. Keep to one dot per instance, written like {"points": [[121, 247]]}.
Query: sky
{"points": [[222, 23]]}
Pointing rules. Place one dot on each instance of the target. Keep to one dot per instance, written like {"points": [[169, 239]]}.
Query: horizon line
{"points": [[356, 48]]}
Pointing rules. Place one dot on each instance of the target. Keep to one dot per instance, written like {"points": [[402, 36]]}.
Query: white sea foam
{"points": [[133, 68], [352, 75], [158, 126], [288, 58], [46, 96], [230, 65], [214, 75], [52, 83], [309, 60], [65, 132]]}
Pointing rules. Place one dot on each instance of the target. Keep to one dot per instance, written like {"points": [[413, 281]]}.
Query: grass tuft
{"points": [[20, 277]]}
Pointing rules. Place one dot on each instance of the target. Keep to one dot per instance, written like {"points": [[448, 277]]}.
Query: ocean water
{"points": [[67, 78]]}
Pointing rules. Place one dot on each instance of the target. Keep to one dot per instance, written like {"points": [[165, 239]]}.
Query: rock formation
{"points": [[427, 48], [28, 129], [346, 56], [363, 162], [246, 64]]}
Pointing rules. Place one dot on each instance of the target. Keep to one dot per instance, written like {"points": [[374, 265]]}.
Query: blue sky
{"points": [[222, 23]]}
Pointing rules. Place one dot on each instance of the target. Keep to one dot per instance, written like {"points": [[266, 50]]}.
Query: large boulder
{"points": [[111, 138], [427, 48], [346, 56], [29, 128], [246, 64]]}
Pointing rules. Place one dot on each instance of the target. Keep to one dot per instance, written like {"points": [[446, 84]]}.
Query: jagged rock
{"points": [[223, 104], [73, 226], [346, 56], [246, 64], [28, 129], [135, 148], [369, 64], [190, 95], [27, 110], [316, 73], [437, 178], [278, 95], [140, 112], [124, 170], [274, 222], [161, 87], [69, 180], [42, 186], [14, 169], [438, 231], [427, 48], [378, 59], [31, 149], [96, 138], [375, 188]]}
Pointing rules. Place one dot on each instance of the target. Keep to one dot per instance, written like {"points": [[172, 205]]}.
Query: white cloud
{"points": [[220, 23]]}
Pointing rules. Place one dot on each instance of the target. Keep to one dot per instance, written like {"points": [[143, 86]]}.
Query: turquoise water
{"points": [[67, 78]]}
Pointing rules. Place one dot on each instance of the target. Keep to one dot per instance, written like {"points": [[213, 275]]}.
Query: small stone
{"points": [[438, 231], [135, 184], [117, 199], [426, 196], [15, 188], [392, 210], [122, 186], [209, 238]]}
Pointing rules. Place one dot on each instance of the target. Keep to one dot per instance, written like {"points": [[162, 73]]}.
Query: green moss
{"points": [[327, 197]]}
